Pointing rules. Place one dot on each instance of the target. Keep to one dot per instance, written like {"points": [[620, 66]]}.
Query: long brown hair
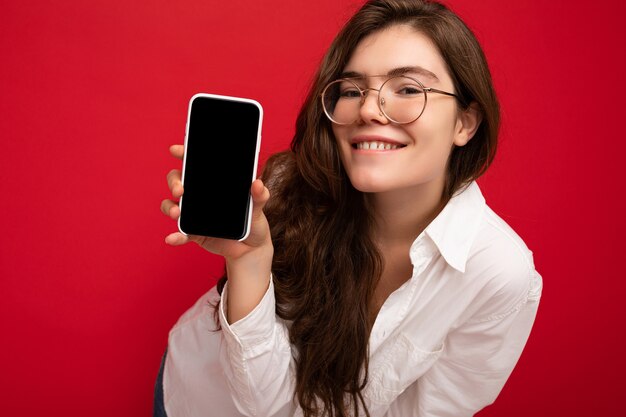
{"points": [[326, 265]]}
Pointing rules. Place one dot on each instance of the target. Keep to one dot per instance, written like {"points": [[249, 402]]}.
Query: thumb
{"points": [[260, 195]]}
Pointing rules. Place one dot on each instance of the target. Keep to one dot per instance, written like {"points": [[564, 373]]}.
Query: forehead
{"points": [[396, 47]]}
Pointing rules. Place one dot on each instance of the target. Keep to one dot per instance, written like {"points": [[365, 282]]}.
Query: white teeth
{"points": [[378, 146]]}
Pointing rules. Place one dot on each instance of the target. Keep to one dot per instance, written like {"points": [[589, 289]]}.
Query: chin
{"points": [[369, 186]]}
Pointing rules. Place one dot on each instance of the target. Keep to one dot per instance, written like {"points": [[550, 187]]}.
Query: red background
{"points": [[93, 93]]}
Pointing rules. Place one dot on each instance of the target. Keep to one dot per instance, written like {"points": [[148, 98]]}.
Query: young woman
{"points": [[375, 281]]}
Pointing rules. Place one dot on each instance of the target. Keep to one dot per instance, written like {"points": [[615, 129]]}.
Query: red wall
{"points": [[93, 92]]}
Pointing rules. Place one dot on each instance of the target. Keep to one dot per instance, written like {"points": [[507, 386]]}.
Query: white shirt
{"points": [[443, 344]]}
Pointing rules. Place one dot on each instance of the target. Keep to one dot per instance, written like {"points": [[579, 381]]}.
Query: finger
{"points": [[177, 151], [171, 209], [174, 183], [176, 239]]}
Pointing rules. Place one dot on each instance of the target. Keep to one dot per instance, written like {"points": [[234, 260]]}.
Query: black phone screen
{"points": [[219, 166]]}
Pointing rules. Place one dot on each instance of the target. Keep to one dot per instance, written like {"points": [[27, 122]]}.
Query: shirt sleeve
{"points": [[477, 360], [256, 358]]}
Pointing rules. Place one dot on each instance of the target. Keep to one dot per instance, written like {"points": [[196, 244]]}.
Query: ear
{"points": [[467, 124]]}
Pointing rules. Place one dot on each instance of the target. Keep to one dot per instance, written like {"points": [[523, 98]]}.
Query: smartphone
{"points": [[222, 142]]}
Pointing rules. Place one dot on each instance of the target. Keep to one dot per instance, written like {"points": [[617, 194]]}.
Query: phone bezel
{"points": [[256, 153]]}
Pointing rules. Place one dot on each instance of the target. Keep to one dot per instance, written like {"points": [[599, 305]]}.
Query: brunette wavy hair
{"points": [[326, 265]]}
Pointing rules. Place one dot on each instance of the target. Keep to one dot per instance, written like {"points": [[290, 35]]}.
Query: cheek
{"points": [[432, 137], [436, 130], [341, 134], [433, 145]]}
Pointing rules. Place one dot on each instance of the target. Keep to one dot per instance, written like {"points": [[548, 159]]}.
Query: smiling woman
{"points": [[418, 165], [375, 279]]}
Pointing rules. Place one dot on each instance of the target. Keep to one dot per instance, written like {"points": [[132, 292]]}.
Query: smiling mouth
{"points": [[376, 146]]}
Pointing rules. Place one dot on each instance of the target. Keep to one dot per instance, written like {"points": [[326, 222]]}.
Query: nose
{"points": [[370, 111]]}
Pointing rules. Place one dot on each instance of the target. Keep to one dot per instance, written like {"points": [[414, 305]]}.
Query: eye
{"points": [[409, 90], [349, 92]]}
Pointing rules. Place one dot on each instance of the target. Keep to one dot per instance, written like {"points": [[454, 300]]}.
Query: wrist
{"points": [[248, 281], [254, 259]]}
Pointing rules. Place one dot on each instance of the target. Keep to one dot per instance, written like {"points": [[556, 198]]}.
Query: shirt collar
{"points": [[454, 229]]}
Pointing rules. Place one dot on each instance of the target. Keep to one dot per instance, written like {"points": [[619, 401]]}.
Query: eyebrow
{"points": [[421, 71]]}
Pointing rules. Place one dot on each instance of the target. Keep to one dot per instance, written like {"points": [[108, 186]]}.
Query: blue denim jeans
{"points": [[159, 406]]}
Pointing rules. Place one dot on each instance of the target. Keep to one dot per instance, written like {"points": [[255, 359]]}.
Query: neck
{"points": [[401, 215]]}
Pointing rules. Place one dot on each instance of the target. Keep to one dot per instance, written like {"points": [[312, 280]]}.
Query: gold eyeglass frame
{"points": [[381, 100]]}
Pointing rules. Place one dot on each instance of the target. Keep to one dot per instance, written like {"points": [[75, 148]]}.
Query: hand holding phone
{"points": [[231, 249]]}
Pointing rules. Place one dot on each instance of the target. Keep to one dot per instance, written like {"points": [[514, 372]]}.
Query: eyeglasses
{"points": [[401, 99]]}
